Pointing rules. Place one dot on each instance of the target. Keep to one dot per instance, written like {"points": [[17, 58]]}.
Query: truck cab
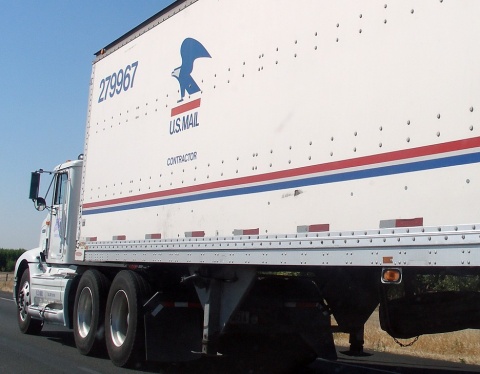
{"points": [[43, 275], [58, 234]]}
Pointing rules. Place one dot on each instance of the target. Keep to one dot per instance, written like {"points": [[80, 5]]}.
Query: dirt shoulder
{"points": [[6, 282], [459, 346]]}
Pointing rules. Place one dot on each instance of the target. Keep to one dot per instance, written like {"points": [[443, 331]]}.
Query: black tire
{"points": [[89, 313], [27, 324], [124, 322]]}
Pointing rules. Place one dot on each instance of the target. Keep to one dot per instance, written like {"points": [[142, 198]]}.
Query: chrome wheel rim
{"points": [[85, 312], [23, 298], [119, 316]]}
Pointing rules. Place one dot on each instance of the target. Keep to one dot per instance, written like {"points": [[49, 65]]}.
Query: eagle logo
{"points": [[190, 50]]}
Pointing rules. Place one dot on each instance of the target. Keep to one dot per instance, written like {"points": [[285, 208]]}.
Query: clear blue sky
{"points": [[46, 53]]}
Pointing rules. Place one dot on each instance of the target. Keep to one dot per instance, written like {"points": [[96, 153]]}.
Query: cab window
{"points": [[60, 188]]}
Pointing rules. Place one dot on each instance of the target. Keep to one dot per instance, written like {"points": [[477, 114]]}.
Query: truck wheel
{"points": [[124, 333], [27, 324], [89, 312]]}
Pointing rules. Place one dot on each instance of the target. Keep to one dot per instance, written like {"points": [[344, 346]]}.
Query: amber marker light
{"points": [[391, 276]]}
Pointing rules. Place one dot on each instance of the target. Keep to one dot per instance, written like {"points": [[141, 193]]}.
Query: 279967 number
{"points": [[117, 82]]}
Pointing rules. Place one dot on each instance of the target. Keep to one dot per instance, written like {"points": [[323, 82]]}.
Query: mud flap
{"points": [[313, 326], [173, 331]]}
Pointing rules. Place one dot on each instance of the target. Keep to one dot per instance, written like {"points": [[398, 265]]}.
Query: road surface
{"points": [[54, 352]]}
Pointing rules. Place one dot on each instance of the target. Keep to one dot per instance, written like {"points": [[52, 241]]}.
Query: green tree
{"points": [[8, 258]]}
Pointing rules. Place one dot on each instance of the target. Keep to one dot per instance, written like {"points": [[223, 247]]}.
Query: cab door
{"points": [[59, 216]]}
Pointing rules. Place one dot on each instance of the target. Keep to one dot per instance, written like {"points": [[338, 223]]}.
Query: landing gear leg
{"points": [[356, 341]]}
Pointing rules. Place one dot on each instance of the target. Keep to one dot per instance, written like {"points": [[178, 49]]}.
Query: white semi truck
{"points": [[252, 168]]}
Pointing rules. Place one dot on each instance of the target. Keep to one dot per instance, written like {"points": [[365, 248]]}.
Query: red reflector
{"points": [[246, 231], [153, 236], [401, 222], [409, 222], [320, 227], [195, 234], [119, 237], [91, 239]]}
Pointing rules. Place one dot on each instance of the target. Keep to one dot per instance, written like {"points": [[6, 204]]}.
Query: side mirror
{"points": [[40, 203], [34, 185]]}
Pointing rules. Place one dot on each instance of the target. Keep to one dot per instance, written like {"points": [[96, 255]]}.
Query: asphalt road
{"points": [[54, 352]]}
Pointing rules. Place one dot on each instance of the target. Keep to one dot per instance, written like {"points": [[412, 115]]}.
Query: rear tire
{"points": [[89, 313], [26, 323], [124, 322]]}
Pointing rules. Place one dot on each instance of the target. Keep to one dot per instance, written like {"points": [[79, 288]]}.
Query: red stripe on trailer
{"points": [[153, 236], [371, 160], [119, 237], [91, 239], [185, 107]]}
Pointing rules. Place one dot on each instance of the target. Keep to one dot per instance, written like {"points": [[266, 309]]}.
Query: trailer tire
{"points": [[89, 312], [124, 322], [27, 324]]}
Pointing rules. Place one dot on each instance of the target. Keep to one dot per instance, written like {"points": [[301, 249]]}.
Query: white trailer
{"points": [[251, 168]]}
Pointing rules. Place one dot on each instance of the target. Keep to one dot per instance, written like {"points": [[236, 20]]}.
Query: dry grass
{"points": [[460, 346], [6, 282]]}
